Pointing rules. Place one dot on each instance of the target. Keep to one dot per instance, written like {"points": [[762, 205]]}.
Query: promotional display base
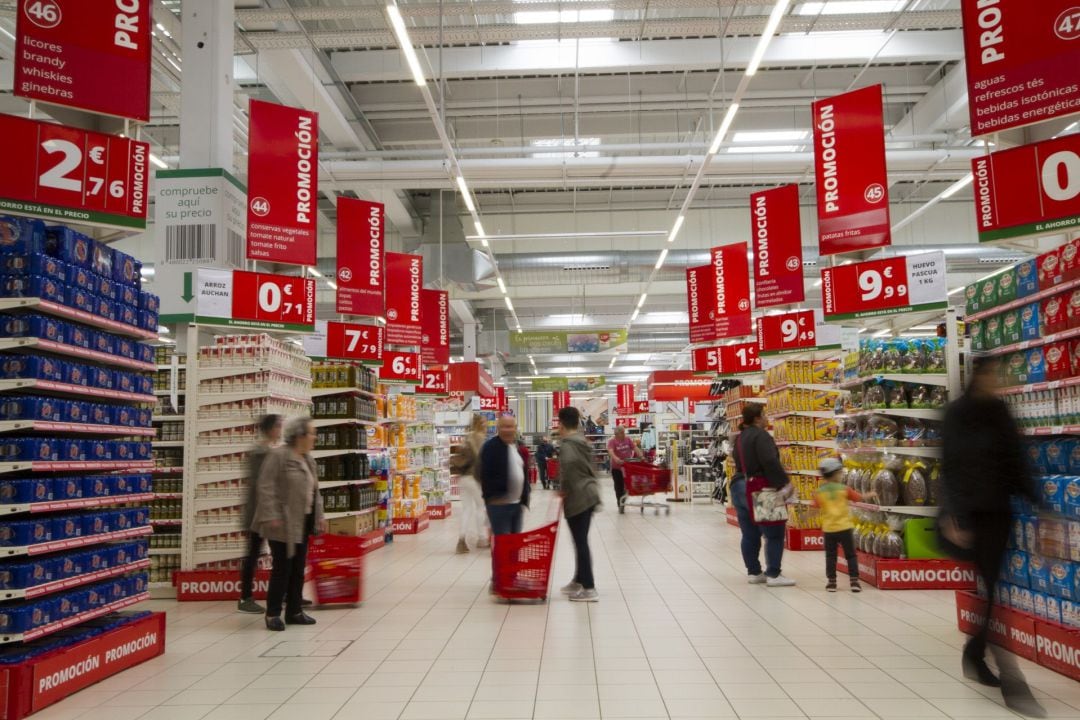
{"points": [[732, 517], [373, 541], [35, 684], [439, 512], [411, 526], [895, 574], [810, 539], [1047, 643], [202, 585]]}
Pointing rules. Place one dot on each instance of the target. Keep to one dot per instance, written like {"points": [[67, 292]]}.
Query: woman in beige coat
{"points": [[288, 511], [466, 465]]}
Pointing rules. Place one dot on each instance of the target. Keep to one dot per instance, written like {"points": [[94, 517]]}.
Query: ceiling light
{"points": [[465, 193], [402, 34], [882, 333], [502, 285], [551, 17], [642, 300], [662, 258], [635, 315], [509, 305], [775, 17], [749, 149], [754, 136], [6, 32], [676, 228], [724, 127], [817, 283], [485, 243], [163, 330], [855, 7], [954, 291], [159, 162], [573, 235], [479, 228], [332, 284], [315, 272], [957, 186], [146, 271], [612, 362]]}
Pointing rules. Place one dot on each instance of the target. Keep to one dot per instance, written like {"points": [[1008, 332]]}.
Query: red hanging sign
{"points": [[789, 332], [778, 258], [92, 54], [66, 174], [731, 275], [626, 422], [404, 309], [434, 382], [701, 303], [361, 230], [911, 283], [352, 341], [470, 377], [559, 400], [400, 367], [1021, 61], [738, 359], [435, 322], [852, 182], [676, 385], [495, 403], [273, 301], [1028, 190], [283, 183], [624, 394]]}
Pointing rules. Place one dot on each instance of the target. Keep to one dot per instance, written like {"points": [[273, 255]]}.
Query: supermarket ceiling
{"points": [[581, 126]]}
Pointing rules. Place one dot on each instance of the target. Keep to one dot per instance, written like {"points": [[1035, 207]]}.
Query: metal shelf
{"points": [[920, 510], [72, 543], [317, 454], [938, 414], [164, 551], [75, 620], [50, 466], [168, 443], [931, 452], [73, 582], [1028, 344], [76, 504], [215, 373], [913, 378], [1040, 387], [827, 444], [349, 513], [823, 414], [799, 386], [1021, 302], [322, 392], [324, 484], [62, 311], [214, 398], [330, 422], [57, 388], [1052, 430], [7, 426], [39, 345]]}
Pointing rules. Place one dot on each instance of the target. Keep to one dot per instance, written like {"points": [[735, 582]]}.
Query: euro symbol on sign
{"points": [[96, 153], [288, 289]]}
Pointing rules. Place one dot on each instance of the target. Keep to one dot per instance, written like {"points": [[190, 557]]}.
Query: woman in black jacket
{"points": [[983, 467], [756, 455]]}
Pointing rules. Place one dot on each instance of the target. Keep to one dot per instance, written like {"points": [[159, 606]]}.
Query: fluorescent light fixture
{"points": [[775, 17], [570, 147], [882, 333], [332, 284], [519, 329], [159, 162], [957, 186], [162, 330], [612, 362], [662, 258], [465, 193], [574, 235], [642, 300], [147, 272], [509, 305], [635, 315], [729, 118], [817, 283], [551, 17], [5, 31], [854, 7], [762, 149], [752, 136], [954, 291], [502, 285], [676, 228], [315, 272], [479, 229], [485, 243], [402, 34]]}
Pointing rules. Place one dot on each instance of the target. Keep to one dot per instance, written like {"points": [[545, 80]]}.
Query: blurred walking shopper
{"points": [[545, 450], [269, 436], [620, 449], [466, 464], [580, 489], [757, 462], [502, 479], [984, 465], [290, 510]]}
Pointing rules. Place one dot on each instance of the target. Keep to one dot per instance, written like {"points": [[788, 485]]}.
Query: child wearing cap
{"points": [[836, 524]]}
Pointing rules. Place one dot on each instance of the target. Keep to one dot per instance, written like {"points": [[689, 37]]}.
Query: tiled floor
{"points": [[677, 634]]}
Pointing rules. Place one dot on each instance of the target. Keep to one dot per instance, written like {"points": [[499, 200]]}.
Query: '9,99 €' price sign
{"points": [[71, 175], [255, 300], [892, 286], [738, 359], [401, 368], [354, 341]]}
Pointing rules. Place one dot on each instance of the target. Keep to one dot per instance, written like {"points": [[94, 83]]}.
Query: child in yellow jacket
{"points": [[832, 498]]}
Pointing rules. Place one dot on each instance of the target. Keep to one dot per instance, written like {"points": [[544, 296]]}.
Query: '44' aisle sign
{"points": [[912, 283], [738, 359], [401, 368]]}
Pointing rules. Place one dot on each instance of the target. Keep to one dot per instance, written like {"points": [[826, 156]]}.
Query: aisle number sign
{"points": [[255, 300], [737, 359], [777, 243], [401, 368], [361, 276], [891, 286], [88, 54], [1028, 190], [796, 331], [69, 175]]}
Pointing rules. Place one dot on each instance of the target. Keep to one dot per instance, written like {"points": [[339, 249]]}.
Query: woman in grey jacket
{"points": [[581, 497], [289, 511]]}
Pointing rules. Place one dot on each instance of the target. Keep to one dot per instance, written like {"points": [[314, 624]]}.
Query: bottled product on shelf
{"points": [[413, 463]]}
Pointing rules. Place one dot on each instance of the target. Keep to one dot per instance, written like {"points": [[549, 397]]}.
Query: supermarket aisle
{"points": [[677, 634]]}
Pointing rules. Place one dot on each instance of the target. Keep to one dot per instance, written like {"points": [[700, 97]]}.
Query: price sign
{"points": [[353, 341], [496, 403], [891, 286], [66, 174], [559, 400], [434, 382], [641, 407], [738, 359], [276, 302], [789, 332], [626, 422], [401, 368]]}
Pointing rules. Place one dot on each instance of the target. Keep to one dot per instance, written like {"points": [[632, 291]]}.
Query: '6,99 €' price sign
{"points": [[738, 359], [892, 286], [401, 368]]}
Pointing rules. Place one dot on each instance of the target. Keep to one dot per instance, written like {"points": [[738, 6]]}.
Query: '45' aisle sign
{"points": [[255, 300], [911, 283]]}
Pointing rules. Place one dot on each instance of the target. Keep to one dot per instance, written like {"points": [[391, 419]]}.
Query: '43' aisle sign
{"points": [[891, 286], [255, 300]]}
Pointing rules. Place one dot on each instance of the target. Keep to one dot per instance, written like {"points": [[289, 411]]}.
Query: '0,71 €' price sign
{"points": [[255, 300], [738, 359], [354, 341], [401, 368], [912, 283]]}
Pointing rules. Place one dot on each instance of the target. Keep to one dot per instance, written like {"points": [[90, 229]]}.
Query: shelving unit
{"points": [[413, 464]]}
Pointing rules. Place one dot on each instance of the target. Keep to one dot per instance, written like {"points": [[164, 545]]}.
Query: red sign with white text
{"points": [[731, 275], [470, 377], [789, 332], [435, 322], [560, 399], [738, 359], [273, 301], [676, 385], [70, 175], [626, 422], [404, 308], [361, 231], [624, 395], [852, 182], [912, 283], [1028, 190], [701, 303], [88, 54], [401, 368], [352, 341], [283, 183], [434, 382], [496, 403], [777, 240], [1021, 60]]}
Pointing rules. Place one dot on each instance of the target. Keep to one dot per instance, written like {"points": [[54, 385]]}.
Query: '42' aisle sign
{"points": [[912, 283]]}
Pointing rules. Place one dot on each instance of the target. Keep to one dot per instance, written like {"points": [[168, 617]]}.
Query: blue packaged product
{"points": [[32, 325], [149, 301], [144, 417], [127, 314], [32, 286], [141, 483], [1017, 568], [144, 385], [1031, 532], [125, 348], [82, 299], [140, 549], [1039, 603], [98, 450], [70, 246], [30, 450], [129, 295], [1058, 454], [1029, 322], [77, 335], [79, 278], [25, 532], [1053, 489], [1016, 536], [67, 488], [20, 236], [1071, 493], [100, 414], [144, 450], [124, 381], [1035, 363], [127, 270], [1062, 579], [1038, 573], [1070, 614], [148, 320], [106, 308], [123, 415], [102, 259], [106, 288], [138, 517], [122, 485], [31, 367], [66, 527], [32, 408], [75, 374], [15, 576], [103, 342], [75, 411], [95, 558], [1027, 278], [33, 264], [17, 619], [65, 607], [98, 485], [71, 450], [95, 598], [1027, 601], [139, 584], [71, 565], [120, 520], [32, 490], [144, 353]]}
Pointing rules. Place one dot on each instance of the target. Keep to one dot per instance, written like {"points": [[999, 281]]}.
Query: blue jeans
{"points": [[752, 533], [505, 519]]}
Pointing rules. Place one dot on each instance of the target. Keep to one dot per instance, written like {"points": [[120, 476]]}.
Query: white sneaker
{"points": [[571, 588], [584, 595], [759, 579], [779, 581]]}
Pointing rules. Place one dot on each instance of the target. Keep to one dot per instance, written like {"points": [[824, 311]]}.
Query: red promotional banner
{"points": [[496, 403], [778, 260], [738, 359], [404, 309], [626, 422], [624, 394], [87, 54], [701, 303], [66, 174], [470, 377], [400, 368], [434, 382], [559, 400], [1021, 60], [849, 162], [435, 322], [731, 275], [910, 283], [273, 301], [283, 183], [361, 231], [1028, 190], [790, 332], [676, 385], [352, 341]]}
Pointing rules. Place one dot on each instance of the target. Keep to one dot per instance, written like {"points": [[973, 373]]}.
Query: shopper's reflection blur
{"points": [[269, 437], [984, 466]]}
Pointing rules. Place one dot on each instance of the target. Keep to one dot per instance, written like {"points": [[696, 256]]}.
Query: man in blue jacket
{"points": [[503, 479]]}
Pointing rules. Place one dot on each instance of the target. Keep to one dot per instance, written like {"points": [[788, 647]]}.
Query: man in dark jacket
{"points": [[544, 452], [269, 437], [503, 479]]}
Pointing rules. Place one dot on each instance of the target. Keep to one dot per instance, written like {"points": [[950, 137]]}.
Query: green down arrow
{"points": [[188, 295]]}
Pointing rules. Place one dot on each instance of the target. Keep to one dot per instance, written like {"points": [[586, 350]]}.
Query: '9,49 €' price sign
{"points": [[891, 286], [790, 332]]}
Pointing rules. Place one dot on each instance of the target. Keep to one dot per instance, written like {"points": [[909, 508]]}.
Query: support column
{"points": [[206, 95], [468, 332]]}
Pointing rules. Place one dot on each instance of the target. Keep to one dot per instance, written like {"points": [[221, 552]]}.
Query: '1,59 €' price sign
{"points": [[738, 359], [354, 341], [912, 283], [401, 368]]}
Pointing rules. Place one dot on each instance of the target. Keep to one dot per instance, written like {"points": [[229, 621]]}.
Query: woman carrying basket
{"points": [[581, 497]]}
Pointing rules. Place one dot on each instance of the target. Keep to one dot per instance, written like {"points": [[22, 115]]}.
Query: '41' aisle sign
{"points": [[912, 283]]}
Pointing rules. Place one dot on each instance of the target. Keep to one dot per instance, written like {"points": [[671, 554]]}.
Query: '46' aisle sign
{"points": [[911, 283]]}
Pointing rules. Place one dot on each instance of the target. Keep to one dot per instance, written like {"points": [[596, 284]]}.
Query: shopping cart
{"points": [[553, 472], [337, 569], [643, 480], [521, 562]]}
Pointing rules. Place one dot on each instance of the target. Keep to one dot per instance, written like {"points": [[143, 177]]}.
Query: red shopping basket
{"points": [[521, 563], [645, 479], [337, 569], [553, 468]]}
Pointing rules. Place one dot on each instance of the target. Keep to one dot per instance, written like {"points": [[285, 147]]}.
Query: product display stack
{"points": [[734, 400], [410, 435], [166, 509]]}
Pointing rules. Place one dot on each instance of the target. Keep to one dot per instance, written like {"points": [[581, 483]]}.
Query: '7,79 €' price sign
{"points": [[401, 368], [354, 341], [912, 283]]}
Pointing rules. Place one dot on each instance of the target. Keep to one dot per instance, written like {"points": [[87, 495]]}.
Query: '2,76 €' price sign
{"points": [[255, 300], [354, 341], [401, 368], [912, 283], [738, 359]]}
